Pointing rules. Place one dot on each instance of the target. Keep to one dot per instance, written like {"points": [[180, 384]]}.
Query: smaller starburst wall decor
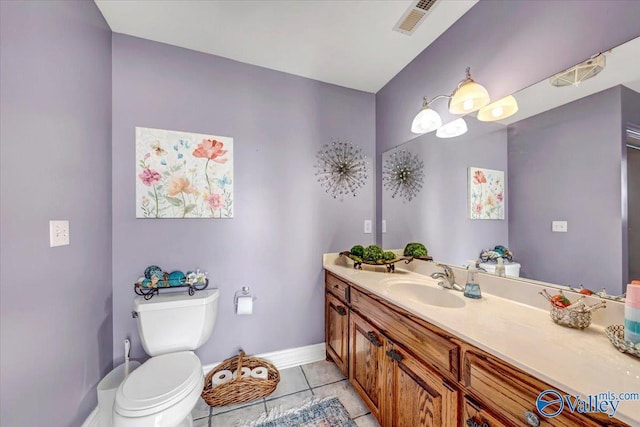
{"points": [[403, 175], [341, 169]]}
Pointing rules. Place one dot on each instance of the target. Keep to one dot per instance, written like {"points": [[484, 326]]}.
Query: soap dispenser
{"points": [[500, 269], [472, 288]]}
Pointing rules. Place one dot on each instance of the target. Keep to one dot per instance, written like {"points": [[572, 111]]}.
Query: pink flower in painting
{"points": [[499, 196], [179, 185], [149, 176], [210, 149], [479, 178], [216, 201], [478, 209]]}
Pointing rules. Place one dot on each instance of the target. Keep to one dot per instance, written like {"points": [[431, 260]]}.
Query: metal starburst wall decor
{"points": [[402, 175], [341, 169]]}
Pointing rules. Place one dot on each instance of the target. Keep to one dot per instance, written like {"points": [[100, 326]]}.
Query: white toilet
{"points": [[164, 390]]}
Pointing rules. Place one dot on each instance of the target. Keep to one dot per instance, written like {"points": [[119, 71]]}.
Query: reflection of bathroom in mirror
{"points": [[569, 154]]}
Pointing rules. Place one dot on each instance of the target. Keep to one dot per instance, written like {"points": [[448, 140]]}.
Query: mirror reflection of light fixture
{"points": [[467, 97], [452, 129], [501, 109]]}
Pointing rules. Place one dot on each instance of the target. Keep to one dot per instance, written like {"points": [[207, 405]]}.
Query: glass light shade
{"points": [[452, 129], [426, 120], [468, 97], [501, 109]]}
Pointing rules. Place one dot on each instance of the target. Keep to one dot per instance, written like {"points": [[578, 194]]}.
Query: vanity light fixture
{"points": [[452, 129], [501, 109], [467, 97], [427, 120]]}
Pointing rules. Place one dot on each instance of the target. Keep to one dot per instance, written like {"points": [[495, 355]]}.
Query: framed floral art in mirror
{"points": [[486, 193]]}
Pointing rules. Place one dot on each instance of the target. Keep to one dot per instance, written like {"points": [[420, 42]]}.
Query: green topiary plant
{"points": [[357, 250], [372, 253], [415, 250], [388, 256]]}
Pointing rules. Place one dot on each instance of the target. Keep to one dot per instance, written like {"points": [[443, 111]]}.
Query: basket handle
{"points": [[239, 368]]}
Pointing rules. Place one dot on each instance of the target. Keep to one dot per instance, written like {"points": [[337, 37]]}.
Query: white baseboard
{"points": [[282, 359], [288, 358]]}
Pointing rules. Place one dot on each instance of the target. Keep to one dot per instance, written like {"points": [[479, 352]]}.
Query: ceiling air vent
{"points": [[413, 17], [579, 73]]}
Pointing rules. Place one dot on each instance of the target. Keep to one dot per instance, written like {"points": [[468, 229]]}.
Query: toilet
{"points": [[163, 391]]}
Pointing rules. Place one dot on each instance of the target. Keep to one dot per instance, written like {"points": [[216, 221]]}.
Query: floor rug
{"points": [[327, 412]]}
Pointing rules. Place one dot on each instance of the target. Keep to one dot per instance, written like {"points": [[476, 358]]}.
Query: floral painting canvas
{"points": [[183, 175], [486, 193]]}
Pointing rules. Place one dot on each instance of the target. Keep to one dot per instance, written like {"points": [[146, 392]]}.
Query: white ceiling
{"points": [[349, 43]]}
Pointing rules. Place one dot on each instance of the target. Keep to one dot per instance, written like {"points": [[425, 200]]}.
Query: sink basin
{"points": [[424, 293]]}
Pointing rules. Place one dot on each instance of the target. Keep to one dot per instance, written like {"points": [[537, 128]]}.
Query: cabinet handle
{"points": [[471, 422], [341, 310], [531, 419], [371, 336], [336, 286], [394, 355]]}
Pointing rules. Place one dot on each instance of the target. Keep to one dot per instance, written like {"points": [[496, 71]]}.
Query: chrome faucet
{"points": [[448, 278]]}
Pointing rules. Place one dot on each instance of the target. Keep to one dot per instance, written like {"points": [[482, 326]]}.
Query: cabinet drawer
{"points": [[511, 394], [427, 345], [337, 287], [474, 415]]}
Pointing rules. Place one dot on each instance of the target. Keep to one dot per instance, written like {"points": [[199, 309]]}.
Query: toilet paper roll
{"points": [[260, 372], [244, 373], [245, 305], [221, 377]]}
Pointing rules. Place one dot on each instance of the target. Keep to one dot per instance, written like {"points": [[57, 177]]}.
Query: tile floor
{"points": [[320, 379]]}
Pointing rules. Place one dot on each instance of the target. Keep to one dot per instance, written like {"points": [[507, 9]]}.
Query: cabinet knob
{"points": [[373, 338], [341, 310], [531, 419], [394, 355], [471, 422]]}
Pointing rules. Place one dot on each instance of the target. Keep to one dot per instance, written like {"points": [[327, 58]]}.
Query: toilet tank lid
{"points": [[175, 300]]}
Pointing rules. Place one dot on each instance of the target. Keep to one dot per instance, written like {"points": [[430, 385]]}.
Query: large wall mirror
{"points": [[570, 154]]}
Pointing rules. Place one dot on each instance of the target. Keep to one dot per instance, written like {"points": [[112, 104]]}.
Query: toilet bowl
{"points": [[163, 391]]}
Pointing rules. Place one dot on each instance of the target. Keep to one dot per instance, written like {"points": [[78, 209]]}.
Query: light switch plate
{"points": [[559, 226], [58, 233], [384, 225], [367, 226]]}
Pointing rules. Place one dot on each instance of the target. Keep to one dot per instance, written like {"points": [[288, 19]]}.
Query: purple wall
{"points": [[630, 176], [565, 164], [508, 45], [56, 164], [438, 217], [283, 219]]}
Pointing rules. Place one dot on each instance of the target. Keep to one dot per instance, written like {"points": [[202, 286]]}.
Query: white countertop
{"points": [[578, 362]]}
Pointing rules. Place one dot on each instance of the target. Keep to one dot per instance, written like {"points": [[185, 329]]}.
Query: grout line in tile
{"points": [[334, 382], [360, 416], [264, 403], [306, 379]]}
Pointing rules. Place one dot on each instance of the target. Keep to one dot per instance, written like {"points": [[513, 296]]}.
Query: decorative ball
{"points": [[146, 283], [176, 278], [153, 270]]}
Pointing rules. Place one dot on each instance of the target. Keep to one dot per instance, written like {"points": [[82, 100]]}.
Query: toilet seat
{"points": [[158, 384]]}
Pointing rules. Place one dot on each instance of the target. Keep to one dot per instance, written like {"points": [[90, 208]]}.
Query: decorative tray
{"points": [[389, 264], [148, 292], [615, 333]]}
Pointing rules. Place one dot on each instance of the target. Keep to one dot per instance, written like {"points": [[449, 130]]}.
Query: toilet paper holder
{"points": [[242, 293]]}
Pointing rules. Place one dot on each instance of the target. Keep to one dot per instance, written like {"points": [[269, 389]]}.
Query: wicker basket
{"points": [[240, 389]]}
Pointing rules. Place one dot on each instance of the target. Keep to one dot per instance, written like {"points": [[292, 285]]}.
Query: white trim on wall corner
{"points": [[282, 359]]}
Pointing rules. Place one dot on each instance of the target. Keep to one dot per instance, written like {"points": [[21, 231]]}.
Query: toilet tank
{"points": [[176, 321]]}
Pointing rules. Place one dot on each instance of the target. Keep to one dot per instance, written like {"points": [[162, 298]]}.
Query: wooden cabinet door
{"points": [[337, 331], [366, 350], [419, 397]]}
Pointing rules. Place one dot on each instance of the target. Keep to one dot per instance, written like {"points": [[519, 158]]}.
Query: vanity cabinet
{"points": [[336, 315], [411, 373], [366, 348]]}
